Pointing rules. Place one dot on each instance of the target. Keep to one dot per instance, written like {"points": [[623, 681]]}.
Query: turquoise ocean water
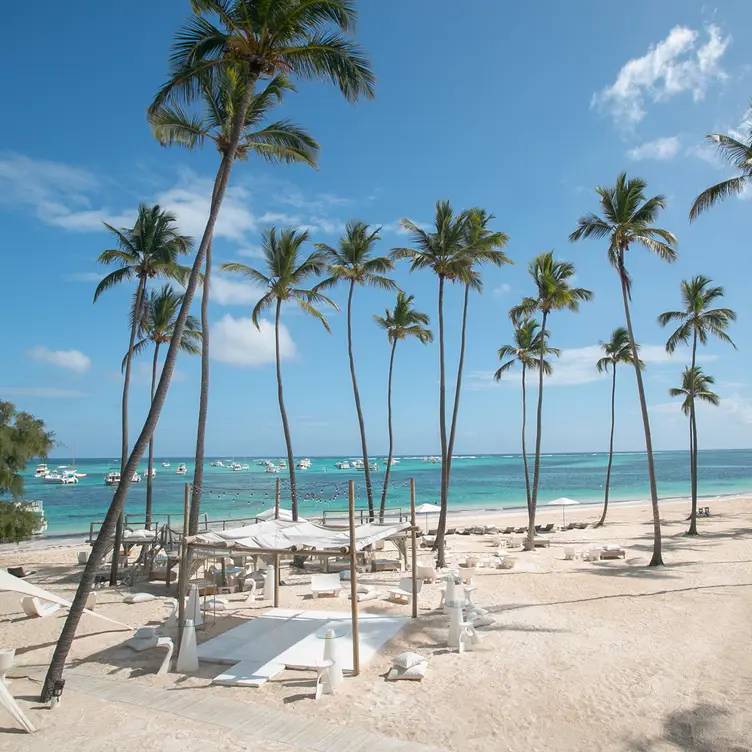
{"points": [[478, 482]]}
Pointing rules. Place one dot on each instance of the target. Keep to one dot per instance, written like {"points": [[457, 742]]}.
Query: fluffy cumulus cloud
{"points": [[660, 149], [238, 342], [227, 290], [680, 63], [72, 360]]}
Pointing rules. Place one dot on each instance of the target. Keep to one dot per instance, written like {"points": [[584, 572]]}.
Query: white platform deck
{"points": [[285, 638]]}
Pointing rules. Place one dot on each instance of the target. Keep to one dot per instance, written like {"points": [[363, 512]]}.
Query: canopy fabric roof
{"points": [[284, 514], [17, 585], [284, 535], [425, 508]]}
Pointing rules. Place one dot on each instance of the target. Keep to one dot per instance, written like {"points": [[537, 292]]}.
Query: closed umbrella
{"points": [[563, 502], [427, 509]]}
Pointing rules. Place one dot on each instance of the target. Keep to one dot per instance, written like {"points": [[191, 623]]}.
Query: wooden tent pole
{"points": [[182, 584], [354, 582], [414, 550], [276, 501]]}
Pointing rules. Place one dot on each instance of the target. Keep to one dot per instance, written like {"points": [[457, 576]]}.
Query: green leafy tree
{"points": [[300, 39], [278, 142], [286, 270], [617, 350], [697, 322], [17, 521], [553, 292], [157, 327], [401, 322], [353, 262], [627, 218], [528, 344]]}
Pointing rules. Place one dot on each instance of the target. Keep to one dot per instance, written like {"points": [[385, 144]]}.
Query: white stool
{"points": [[324, 685], [468, 637]]}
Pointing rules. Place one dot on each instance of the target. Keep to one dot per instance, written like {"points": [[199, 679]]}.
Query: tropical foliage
{"points": [[17, 521]]}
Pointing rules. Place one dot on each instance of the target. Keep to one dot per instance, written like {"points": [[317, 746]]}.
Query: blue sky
{"points": [[503, 106]]}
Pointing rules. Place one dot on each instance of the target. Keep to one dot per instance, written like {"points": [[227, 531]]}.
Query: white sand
{"points": [[583, 656]]}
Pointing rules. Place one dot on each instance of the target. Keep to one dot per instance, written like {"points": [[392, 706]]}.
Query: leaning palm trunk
{"points": [[693, 447], [602, 520], [524, 439], [388, 470], [358, 409], [124, 418], [150, 467], [285, 423], [441, 532], [657, 558], [116, 507], [530, 543]]}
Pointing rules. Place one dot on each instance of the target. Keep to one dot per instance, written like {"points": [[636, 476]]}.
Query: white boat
{"points": [[182, 469], [283, 464], [165, 464], [65, 477], [271, 469], [135, 478], [150, 474], [394, 461], [303, 464], [80, 475], [41, 471], [112, 478], [218, 463], [344, 465]]}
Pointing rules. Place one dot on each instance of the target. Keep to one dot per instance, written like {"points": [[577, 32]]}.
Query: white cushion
{"points": [[144, 633], [408, 659], [139, 598], [484, 621], [414, 673]]}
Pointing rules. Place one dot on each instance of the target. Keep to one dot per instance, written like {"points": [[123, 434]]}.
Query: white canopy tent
{"points": [[563, 502], [284, 514], [427, 509]]}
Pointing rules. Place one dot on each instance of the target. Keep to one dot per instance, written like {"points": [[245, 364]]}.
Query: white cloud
{"points": [[40, 391], [503, 289], [59, 194], [252, 251], [738, 409], [396, 227], [234, 290], [73, 360], [238, 342], [83, 277], [674, 65], [660, 149]]}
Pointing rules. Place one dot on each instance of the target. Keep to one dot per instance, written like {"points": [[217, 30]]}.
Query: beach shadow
{"points": [[30, 648]]}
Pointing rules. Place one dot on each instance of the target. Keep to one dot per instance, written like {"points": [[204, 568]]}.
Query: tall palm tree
{"points": [[526, 350], [286, 270], [352, 262], [151, 248], [278, 142], [553, 293], [157, 327], [697, 320], [260, 38], [481, 246], [695, 386], [439, 251], [627, 218], [401, 322], [617, 350], [735, 152]]}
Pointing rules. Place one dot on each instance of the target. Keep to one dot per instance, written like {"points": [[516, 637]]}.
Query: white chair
{"points": [[469, 637], [425, 572], [83, 557], [404, 591], [134, 643], [33, 607], [594, 554], [325, 583], [569, 553]]}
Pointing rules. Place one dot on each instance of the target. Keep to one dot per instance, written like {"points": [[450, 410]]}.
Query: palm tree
{"points": [[286, 270], [157, 327], [736, 153], [260, 38], [526, 350], [352, 262], [278, 142], [553, 293], [628, 217], [401, 322], [616, 350], [697, 321], [151, 248], [481, 246], [438, 251], [695, 386]]}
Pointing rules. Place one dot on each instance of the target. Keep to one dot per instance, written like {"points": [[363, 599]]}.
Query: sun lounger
{"points": [[520, 530], [404, 591], [508, 530], [546, 528], [612, 551], [33, 607], [325, 583], [581, 525], [541, 542]]}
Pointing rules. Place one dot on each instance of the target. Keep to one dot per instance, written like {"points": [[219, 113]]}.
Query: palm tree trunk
{"points": [[358, 409], [693, 446], [68, 632], [524, 440], [124, 419], [283, 414], [203, 402], [388, 470], [457, 390], [602, 520], [441, 532], [150, 466], [657, 558], [530, 543]]}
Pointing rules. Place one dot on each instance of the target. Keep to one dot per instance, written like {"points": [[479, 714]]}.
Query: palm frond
{"points": [[113, 279], [716, 193]]}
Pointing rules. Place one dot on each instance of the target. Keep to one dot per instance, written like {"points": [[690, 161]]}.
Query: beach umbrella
{"points": [[563, 502], [427, 509]]}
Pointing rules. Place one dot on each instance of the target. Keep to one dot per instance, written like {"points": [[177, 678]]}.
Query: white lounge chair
{"points": [[153, 642], [33, 607], [404, 591], [325, 583], [613, 551]]}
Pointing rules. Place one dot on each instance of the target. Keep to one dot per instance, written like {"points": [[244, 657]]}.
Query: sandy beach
{"points": [[607, 655]]}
